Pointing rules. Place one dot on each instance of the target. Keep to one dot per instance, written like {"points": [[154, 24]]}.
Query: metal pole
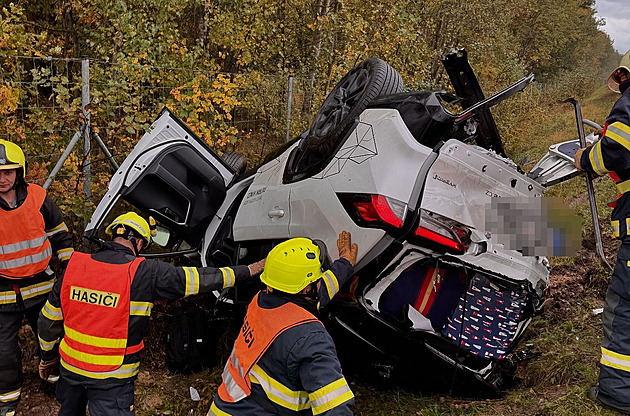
{"points": [[63, 158], [289, 96], [105, 150], [85, 101], [599, 246]]}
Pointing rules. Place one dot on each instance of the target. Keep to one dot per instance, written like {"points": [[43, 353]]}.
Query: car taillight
{"points": [[444, 232], [374, 210]]}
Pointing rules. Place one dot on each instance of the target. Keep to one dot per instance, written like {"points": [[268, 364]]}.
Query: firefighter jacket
{"points": [[111, 356], [611, 155], [284, 362], [30, 235]]}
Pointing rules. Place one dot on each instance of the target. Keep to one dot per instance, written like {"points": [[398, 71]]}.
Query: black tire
{"points": [[362, 84], [237, 162]]}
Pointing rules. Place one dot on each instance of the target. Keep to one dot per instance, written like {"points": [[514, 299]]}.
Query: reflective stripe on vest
{"points": [[24, 250], [122, 372], [260, 328], [96, 314]]}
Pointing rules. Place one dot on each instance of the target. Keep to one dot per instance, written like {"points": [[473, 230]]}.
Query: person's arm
{"points": [[339, 272], [57, 231], [177, 282], [319, 371], [50, 324], [333, 279], [611, 153]]}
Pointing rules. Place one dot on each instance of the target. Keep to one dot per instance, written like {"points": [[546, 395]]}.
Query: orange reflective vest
{"points": [[95, 304], [260, 329], [24, 247]]}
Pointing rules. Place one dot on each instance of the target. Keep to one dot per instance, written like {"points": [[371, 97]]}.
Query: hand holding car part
{"points": [[578, 154], [347, 251]]}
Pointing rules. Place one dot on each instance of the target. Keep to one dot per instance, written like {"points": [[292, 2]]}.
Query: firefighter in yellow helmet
{"points": [[32, 231], [283, 361], [611, 155], [106, 299]]}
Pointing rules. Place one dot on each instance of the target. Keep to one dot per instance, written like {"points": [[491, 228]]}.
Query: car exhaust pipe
{"points": [[589, 186]]}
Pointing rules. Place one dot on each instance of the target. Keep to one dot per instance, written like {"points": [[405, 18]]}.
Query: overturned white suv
{"points": [[435, 296]]}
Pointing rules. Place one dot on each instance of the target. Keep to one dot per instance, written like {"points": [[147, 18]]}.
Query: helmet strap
{"points": [[134, 244], [624, 86], [130, 236]]}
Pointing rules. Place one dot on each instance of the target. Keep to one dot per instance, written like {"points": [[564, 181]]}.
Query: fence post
{"points": [[63, 158], [289, 96], [85, 101]]}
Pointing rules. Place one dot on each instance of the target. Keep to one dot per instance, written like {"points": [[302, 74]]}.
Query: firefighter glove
{"points": [[49, 370], [347, 251], [256, 268], [577, 158]]}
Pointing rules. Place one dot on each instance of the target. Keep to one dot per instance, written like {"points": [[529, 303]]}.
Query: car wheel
{"points": [[366, 81], [235, 161]]}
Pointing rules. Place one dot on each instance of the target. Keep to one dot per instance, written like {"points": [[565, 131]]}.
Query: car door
{"points": [[172, 175], [265, 212]]}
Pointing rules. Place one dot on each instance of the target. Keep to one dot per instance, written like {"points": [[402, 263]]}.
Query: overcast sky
{"points": [[617, 15]]}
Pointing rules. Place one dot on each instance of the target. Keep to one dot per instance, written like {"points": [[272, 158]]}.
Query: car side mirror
{"points": [[162, 236]]}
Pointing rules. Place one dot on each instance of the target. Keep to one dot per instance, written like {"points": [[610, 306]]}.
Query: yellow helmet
{"points": [[11, 156], [135, 222], [293, 265], [613, 79]]}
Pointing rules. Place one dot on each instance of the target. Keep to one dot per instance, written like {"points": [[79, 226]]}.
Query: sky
{"points": [[617, 16]]}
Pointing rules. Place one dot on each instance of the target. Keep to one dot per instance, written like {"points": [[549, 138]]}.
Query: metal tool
{"points": [[589, 186]]}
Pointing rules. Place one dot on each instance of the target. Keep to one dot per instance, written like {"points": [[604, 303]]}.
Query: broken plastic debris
{"points": [[194, 394], [597, 311]]}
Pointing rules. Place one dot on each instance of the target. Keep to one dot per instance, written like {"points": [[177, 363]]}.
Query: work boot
{"points": [[593, 394]]}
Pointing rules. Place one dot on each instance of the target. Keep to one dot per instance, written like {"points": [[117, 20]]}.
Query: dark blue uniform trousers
{"points": [[614, 372], [115, 401]]}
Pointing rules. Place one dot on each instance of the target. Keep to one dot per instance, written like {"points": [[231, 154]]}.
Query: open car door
{"points": [[172, 175]]}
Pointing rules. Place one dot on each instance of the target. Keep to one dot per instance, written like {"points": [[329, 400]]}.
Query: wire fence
{"points": [[45, 102]]}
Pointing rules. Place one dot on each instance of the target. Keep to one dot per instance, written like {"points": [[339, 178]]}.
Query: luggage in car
{"points": [[486, 319], [434, 292]]}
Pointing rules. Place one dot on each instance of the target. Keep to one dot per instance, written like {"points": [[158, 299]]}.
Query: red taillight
{"points": [[444, 232], [440, 239], [379, 209], [375, 210]]}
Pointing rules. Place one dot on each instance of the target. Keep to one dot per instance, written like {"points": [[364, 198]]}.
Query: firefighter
{"points": [[283, 361], [31, 232], [95, 317], [611, 155]]}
